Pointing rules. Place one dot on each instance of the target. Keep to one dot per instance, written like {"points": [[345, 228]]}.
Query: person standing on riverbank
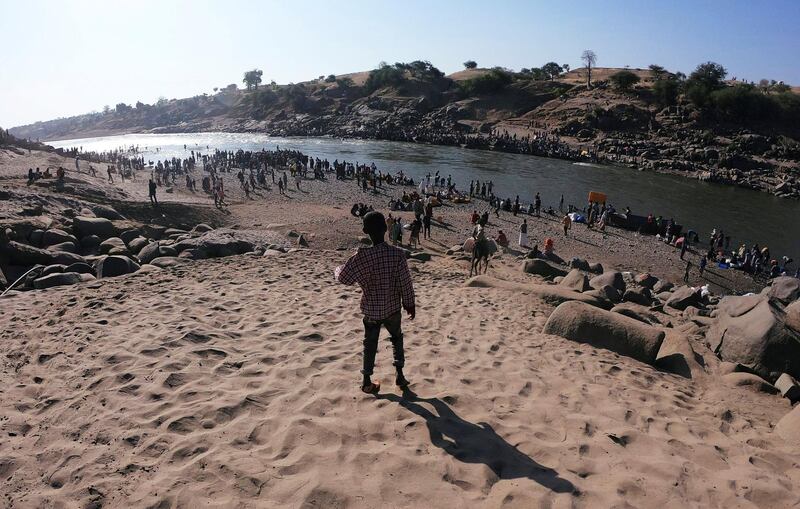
{"points": [[152, 191], [523, 234], [382, 273], [566, 222], [686, 272]]}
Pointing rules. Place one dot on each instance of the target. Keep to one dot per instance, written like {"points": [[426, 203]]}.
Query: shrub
{"points": [[491, 82], [330, 79], [624, 80], [470, 64], [666, 92]]}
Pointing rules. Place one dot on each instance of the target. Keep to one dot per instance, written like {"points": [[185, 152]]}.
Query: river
{"points": [[747, 216]]}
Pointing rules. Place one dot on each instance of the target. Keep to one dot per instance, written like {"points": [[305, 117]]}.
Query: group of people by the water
{"points": [[257, 170]]}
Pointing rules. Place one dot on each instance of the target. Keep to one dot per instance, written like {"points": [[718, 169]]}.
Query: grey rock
{"points": [[69, 247], [576, 280], [114, 242], [611, 278], [56, 236], [85, 226], [57, 279], [542, 268], [683, 297], [53, 269], [584, 323], [112, 266]]}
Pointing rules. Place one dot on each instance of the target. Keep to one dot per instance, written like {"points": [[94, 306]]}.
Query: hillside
{"points": [[728, 132]]}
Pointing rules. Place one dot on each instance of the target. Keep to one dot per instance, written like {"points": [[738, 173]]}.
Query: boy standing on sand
{"points": [[382, 273]]}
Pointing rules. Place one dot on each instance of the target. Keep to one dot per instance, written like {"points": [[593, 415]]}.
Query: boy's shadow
{"points": [[477, 443]]}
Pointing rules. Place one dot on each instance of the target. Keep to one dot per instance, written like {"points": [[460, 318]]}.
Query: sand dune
{"points": [[233, 383]]}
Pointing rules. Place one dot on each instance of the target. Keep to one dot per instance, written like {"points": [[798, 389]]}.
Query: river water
{"points": [[747, 216]]}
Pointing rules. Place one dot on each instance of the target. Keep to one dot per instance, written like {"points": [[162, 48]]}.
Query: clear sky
{"points": [[66, 57]]}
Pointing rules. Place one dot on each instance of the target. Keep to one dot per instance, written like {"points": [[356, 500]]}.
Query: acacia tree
{"points": [[589, 59], [657, 71], [252, 79], [565, 67], [470, 64], [552, 70]]}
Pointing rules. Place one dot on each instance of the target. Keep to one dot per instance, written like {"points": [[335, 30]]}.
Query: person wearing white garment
{"points": [[523, 234]]}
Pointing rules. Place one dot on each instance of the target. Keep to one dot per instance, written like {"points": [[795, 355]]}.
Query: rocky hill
{"points": [[702, 127]]}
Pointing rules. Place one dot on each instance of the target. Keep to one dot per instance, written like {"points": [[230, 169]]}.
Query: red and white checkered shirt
{"points": [[382, 273]]}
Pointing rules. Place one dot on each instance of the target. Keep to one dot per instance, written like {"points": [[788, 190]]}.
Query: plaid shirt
{"points": [[382, 273]]}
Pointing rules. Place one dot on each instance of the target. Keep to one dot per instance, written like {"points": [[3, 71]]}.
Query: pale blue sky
{"points": [[63, 57]]}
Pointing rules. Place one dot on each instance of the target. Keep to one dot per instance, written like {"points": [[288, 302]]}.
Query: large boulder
{"points": [[149, 252], [793, 316], [69, 247], [684, 297], [91, 242], [749, 381], [112, 266], [17, 253], [662, 286], [646, 280], [788, 427], [576, 280], [80, 268], [169, 261], [155, 250], [201, 228], [128, 235], [85, 226], [106, 212], [637, 312], [551, 294], [56, 279], [582, 322], [676, 355], [53, 269], [137, 244], [56, 236], [542, 268], [216, 244], [579, 263], [610, 278], [113, 243], [785, 289], [640, 295], [752, 331]]}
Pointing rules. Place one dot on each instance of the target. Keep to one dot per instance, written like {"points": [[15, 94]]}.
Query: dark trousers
{"points": [[372, 332]]}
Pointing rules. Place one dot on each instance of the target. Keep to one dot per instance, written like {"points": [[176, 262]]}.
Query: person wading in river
{"points": [[382, 273]]}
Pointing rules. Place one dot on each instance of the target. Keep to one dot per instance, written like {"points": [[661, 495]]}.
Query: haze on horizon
{"points": [[68, 58]]}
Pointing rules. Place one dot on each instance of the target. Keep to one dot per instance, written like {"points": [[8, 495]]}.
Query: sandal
{"points": [[372, 388]]}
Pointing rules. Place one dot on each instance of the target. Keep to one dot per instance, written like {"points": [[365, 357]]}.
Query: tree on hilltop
{"points": [[589, 59], [252, 79], [657, 72], [470, 64], [552, 70], [705, 80]]}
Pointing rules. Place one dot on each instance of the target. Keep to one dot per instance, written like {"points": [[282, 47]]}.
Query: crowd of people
{"points": [[255, 170]]}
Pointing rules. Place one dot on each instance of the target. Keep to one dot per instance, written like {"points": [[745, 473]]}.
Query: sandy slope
{"points": [[233, 383]]}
